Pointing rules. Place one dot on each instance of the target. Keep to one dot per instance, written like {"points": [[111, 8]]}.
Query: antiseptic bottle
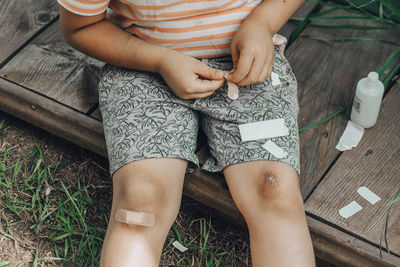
{"points": [[367, 101]]}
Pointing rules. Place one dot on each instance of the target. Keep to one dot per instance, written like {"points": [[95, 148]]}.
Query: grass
{"points": [[67, 222], [58, 212], [206, 254]]}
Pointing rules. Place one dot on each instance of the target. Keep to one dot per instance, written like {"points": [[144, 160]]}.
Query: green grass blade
{"points": [[388, 61], [340, 110], [333, 18], [349, 27], [388, 4], [350, 39], [178, 236], [302, 25], [354, 10], [395, 199], [362, 5], [76, 207], [391, 74]]}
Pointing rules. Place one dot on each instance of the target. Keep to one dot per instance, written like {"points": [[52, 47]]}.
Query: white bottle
{"points": [[367, 101]]}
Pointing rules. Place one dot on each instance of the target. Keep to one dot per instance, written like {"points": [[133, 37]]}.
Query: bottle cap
{"points": [[373, 77]]}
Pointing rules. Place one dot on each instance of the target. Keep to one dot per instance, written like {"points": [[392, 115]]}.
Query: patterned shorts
{"points": [[142, 118]]}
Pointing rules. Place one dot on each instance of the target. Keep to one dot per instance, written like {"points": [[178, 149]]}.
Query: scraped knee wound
{"points": [[271, 180], [134, 217]]}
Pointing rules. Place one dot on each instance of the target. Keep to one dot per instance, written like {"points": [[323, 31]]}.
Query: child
{"points": [[164, 81]]}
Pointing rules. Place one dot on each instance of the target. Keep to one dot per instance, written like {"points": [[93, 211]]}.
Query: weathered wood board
{"points": [[374, 163], [20, 20], [55, 88], [52, 116], [303, 11], [327, 73], [344, 249], [50, 67]]}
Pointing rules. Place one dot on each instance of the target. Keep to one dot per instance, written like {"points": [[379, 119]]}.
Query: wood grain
{"points": [[342, 249], [20, 20], [374, 163], [303, 11], [327, 73], [97, 114], [50, 67], [52, 116]]}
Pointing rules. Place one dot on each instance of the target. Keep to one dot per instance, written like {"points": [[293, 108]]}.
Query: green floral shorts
{"points": [[143, 118]]}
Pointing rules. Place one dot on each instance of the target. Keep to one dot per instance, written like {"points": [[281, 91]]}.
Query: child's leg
{"points": [[152, 186], [267, 194]]}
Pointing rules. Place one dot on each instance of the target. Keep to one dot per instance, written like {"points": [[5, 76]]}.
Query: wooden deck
{"points": [[50, 85]]}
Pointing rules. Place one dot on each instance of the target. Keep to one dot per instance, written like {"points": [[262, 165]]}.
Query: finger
{"points": [[254, 73], [234, 55], [208, 85], [242, 68], [207, 72], [267, 70]]}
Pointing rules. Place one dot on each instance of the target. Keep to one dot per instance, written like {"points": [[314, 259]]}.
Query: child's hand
{"points": [[188, 77], [252, 52]]}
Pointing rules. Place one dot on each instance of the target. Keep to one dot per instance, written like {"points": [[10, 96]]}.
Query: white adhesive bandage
{"points": [[233, 89], [263, 129], [350, 137], [275, 150], [179, 246], [134, 217], [368, 195], [350, 209], [275, 79]]}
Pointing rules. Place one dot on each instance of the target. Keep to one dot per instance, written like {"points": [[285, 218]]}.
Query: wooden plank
{"points": [[20, 20], [327, 74], [303, 11], [52, 68], [342, 249], [374, 163], [97, 114], [52, 116]]}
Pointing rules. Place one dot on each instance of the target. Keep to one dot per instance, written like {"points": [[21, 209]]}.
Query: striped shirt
{"points": [[199, 28]]}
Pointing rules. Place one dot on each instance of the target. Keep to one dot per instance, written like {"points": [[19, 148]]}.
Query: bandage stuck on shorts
{"points": [[134, 217]]}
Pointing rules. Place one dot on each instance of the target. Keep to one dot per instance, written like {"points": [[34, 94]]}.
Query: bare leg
{"points": [[152, 186], [267, 194]]}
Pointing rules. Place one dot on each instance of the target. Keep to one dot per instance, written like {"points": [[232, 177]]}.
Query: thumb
{"points": [[209, 73], [235, 56], [235, 59]]}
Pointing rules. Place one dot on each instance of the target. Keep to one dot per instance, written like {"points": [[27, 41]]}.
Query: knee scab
{"points": [[269, 185], [271, 180]]}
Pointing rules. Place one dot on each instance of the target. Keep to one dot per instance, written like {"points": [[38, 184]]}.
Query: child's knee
{"points": [[143, 192], [276, 191]]}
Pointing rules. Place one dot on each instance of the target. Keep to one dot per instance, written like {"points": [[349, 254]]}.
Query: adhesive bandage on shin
{"points": [[134, 217]]}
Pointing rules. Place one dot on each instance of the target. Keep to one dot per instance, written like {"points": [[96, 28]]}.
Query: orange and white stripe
{"points": [[200, 28], [85, 7]]}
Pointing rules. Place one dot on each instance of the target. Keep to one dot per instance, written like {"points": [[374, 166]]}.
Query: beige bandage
{"points": [[233, 89], [134, 217]]}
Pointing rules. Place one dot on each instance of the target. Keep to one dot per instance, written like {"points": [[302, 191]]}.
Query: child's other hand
{"points": [[188, 77], [252, 52]]}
